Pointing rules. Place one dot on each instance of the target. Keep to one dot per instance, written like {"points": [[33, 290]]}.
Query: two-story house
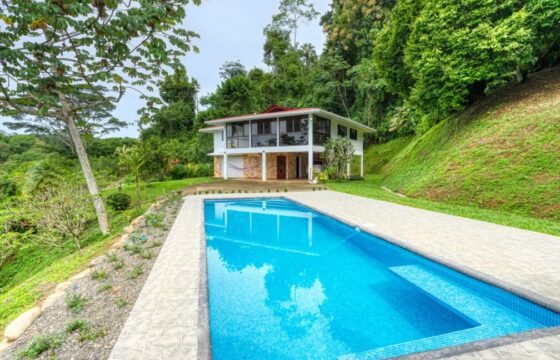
{"points": [[279, 143]]}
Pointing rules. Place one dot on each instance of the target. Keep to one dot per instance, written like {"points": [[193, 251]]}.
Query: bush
{"points": [[40, 344], [7, 188], [119, 201], [75, 301], [178, 171], [181, 171]]}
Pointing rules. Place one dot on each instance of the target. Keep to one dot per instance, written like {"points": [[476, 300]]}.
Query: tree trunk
{"points": [[88, 174]]}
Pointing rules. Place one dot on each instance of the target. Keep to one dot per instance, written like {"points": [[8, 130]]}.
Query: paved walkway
{"points": [[164, 323]]}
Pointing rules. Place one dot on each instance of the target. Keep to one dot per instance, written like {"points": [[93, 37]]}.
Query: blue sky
{"points": [[229, 30]]}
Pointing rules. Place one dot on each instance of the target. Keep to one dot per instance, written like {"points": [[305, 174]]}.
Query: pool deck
{"points": [[170, 317]]}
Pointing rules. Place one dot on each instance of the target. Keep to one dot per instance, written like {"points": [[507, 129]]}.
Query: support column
{"points": [[263, 166], [224, 172], [362, 166], [310, 150], [348, 169]]}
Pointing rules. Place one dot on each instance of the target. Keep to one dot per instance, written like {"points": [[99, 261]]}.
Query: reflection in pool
{"points": [[286, 282]]}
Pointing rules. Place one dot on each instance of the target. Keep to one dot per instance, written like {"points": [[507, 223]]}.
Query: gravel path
{"points": [[109, 296]]}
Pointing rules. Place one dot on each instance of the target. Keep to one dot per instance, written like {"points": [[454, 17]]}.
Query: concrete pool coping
{"points": [[202, 348]]}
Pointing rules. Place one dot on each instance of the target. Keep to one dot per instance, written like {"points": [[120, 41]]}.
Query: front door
{"points": [[281, 167]]}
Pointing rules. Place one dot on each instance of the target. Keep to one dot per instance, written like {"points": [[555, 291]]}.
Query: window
{"points": [[293, 131], [342, 130], [321, 130], [263, 133], [237, 135], [353, 134]]}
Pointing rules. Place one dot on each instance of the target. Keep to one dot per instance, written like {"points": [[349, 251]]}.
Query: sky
{"points": [[229, 30]]}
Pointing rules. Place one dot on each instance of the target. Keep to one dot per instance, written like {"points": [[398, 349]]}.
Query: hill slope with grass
{"points": [[501, 154]]}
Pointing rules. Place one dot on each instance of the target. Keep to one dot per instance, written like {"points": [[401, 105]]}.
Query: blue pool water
{"points": [[286, 282]]}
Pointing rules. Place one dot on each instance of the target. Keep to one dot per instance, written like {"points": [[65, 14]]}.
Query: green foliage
{"points": [[75, 301], [338, 153], [105, 287], [63, 211], [135, 272], [500, 155], [120, 302], [181, 171], [7, 188], [76, 324], [91, 333], [98, 275], [154, 220], [118, 201], [41, 344]]}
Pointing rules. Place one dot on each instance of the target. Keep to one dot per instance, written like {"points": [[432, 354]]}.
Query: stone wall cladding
{"points": [[271, 166], [217, 166], [252, 165]]}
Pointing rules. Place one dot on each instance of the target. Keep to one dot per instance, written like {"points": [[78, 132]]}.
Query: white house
{"points": [[279, 143]]}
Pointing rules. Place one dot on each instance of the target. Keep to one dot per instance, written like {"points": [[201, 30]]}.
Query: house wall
{"points": [[219, 143], [357, 144]]}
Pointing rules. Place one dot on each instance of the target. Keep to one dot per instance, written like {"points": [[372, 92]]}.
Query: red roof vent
{"points": [[276, 108]]}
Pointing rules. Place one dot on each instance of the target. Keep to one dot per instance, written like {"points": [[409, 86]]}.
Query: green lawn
{"points": [[371, 188], [35, 270]]}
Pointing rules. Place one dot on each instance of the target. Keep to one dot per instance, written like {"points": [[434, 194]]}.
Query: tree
{"points": [[338, 154], [132, 160], [65, 60], [177, 116], [291, 14], [65, 210], [231, 69]]}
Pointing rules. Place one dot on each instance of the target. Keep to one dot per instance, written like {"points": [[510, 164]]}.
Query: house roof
{"points": [[280, 111], [211, 129]]}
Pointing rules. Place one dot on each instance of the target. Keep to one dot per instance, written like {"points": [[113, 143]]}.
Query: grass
{"points": [[41, 344], [371, 188], [496, 161], [34, 271]]}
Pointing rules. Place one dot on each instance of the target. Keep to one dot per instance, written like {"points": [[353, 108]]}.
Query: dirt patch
{"points": [[104, 298]]}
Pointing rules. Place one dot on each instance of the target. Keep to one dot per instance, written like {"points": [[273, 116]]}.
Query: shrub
{"points": [[132, 248], [154, 220], [147, 255], [120, 302], [119, 201], [98, 275], [105, 287], [136, 272], [90, 333], [77, 324], [65, 210], [179, 171], [7, 188], [40, 344], [75, 301]]}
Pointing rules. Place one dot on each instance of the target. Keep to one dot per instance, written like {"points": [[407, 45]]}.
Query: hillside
{"points": [[501, 154]]}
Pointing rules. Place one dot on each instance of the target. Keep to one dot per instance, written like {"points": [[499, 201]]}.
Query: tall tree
{"points": [[293, 13], [176, 117], [64, 59]]}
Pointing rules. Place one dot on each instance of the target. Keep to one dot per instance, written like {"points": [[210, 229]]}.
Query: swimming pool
{"points": [[287, 282]]}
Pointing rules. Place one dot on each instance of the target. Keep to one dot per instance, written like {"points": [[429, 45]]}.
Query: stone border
{"points": [[481, 345], [204, 347]]}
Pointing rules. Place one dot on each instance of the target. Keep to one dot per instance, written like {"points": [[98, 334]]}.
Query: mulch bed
{"points": [[109, 291]]}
